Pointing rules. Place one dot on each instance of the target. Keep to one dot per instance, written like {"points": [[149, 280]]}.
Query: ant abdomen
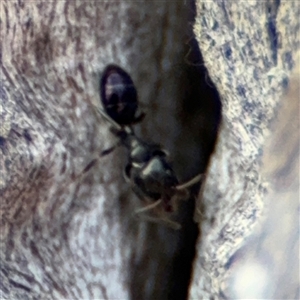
{"points": [[119, 96]]}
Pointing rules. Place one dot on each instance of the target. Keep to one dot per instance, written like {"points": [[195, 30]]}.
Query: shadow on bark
{"points": [[167, 254]]}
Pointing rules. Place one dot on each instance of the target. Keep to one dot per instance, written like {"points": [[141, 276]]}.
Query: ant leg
{"points": [[109, 119], [191, 182], [148, 207], [126, 175], [164, 221], [116, 128], [139, 118], [109, 150], [174, 225], [94, 161], [89, 165]]}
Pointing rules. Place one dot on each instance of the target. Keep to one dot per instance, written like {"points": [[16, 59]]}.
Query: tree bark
{"points": [[67, 231], [251, 50]]}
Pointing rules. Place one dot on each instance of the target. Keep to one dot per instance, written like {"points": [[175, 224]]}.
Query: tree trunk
{"points": [[67, 229], [251, 51]]}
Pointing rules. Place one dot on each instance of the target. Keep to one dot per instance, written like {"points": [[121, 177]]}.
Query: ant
{"points": [[148, 170]]}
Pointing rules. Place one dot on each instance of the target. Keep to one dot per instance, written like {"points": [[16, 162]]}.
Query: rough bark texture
{"points": [[65, 234], [267, 266], [250, 50]]}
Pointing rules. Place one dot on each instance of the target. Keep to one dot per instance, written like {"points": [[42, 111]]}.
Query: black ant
{"points": [[148, 169]]}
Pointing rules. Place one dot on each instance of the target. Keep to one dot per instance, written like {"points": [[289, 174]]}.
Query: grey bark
{"points": [[65, 234], [251, 50]]}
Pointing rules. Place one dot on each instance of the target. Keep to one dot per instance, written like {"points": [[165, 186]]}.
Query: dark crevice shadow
{"points": [[200, 115], [169, 264]]}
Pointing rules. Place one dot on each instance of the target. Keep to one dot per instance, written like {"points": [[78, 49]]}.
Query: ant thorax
{"points": [[150, 171]]}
